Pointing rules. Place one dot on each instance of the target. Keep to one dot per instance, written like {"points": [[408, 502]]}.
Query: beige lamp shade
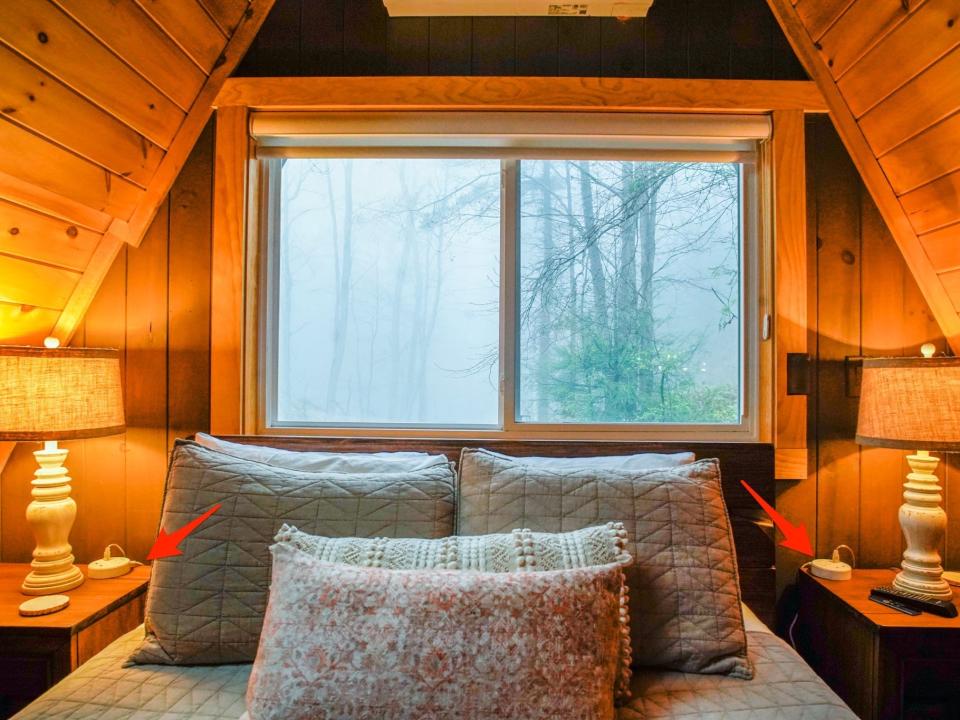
{"points": [[910, 403], [59, 394]]}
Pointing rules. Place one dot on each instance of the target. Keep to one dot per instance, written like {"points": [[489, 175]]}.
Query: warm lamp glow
{"points": [[56, 394], [59, 394], [910, 403], [914, 403]]}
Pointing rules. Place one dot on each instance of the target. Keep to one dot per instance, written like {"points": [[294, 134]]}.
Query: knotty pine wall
{"points": [[155, 302], [155, 306], [862, 302]]}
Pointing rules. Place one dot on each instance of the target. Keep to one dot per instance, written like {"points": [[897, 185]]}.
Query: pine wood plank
{"points": [[196, 119], [190, 27], [912, 46], [123, 27], [930, 155], [951, 282], [838, 324], [276, 54], [16, 542], [34, 160], [145, 393], [32, 98], [935, 204], [24, 193], [407, 45], [874, 177], [883, 331], [30, 283], [231, 156], [101, 482], [450, 46], [951, 504], [188, 318], [25, 325], [537, 40], [321, 39], [85, 290], [927, 99], [579, 47], [526, 93], [364, 37], [32, 235], [226, 13], [790, 276], [863, 25], [943, 247], [819, 15], [51, 39], [494, 46], [622, 50]]}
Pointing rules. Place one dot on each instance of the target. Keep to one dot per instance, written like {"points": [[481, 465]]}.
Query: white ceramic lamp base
{"points": [[923, 522], [50, 516]]}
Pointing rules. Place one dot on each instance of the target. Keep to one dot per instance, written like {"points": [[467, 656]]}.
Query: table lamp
{"points": [[913, 403], [53, 394]]}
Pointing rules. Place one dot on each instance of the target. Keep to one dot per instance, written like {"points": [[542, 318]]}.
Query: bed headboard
{"points": [[752, 462]]}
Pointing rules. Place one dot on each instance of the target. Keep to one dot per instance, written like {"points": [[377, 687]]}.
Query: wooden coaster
{"points": [[44, 605]]}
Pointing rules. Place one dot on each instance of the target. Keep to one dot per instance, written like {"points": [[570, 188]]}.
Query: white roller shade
{"points": [[508, 134]]}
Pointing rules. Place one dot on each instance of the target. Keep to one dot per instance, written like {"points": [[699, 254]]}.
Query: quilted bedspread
{"points": [[783, 688]]}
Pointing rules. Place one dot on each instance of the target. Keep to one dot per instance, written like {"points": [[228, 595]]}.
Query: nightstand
{"points": [[37, 652], [884, 664]]}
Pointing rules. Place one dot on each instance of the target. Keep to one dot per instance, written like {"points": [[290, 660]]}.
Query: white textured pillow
{"points": [[325, 462]]}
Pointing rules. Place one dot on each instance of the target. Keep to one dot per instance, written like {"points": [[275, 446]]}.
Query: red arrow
{"points": [[166, 545], [795, 537]]}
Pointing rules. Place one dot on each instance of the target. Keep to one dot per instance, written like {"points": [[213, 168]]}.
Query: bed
{"points": [[783, 685]]}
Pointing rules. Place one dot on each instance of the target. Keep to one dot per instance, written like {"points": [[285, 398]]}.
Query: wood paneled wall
{"points": [[863, 301], [155, 301], [678, 38], [100, 104], [153, 305], [889, 71]]}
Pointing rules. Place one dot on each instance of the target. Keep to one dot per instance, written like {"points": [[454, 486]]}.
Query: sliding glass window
{"points": [[474, 274]]}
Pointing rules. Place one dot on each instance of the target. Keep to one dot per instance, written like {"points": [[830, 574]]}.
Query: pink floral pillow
{"points": [[347, 642]]}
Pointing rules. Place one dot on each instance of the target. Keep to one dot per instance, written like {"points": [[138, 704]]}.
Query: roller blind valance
{"points": [[510, 134]]}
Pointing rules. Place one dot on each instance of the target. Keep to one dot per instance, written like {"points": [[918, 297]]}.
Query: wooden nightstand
{"points": [[883, 663], [36, 652]]}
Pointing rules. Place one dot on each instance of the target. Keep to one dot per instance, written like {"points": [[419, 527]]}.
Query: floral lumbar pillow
{"points": [[358, 642]]}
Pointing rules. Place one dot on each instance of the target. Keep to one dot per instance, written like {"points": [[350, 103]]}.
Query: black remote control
{"points": [[926, 603], [898, 606]]}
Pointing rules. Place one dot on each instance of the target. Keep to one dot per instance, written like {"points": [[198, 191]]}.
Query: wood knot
{"points": [[848, 257], [951, 22], [72, 231], [43, 37], [248, 13], [14, 231], [8, 110]]}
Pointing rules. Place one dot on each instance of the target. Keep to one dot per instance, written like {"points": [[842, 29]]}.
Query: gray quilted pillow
{"points": [[684, 590], [206, 606]]}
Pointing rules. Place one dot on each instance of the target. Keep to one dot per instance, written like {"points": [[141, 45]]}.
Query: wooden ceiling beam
{"points": [[522, 93]]}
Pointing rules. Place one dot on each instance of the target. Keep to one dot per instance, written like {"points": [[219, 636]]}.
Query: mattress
{"points": [[784, 687]]}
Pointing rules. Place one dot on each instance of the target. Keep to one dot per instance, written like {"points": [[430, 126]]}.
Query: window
{"points": [[510, 283]]}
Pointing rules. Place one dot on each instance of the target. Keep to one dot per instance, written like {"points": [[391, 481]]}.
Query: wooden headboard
{"points": [[752, 462]]}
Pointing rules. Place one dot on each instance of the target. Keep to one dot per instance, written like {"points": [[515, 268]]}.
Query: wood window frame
{"points": [[235, 278]]}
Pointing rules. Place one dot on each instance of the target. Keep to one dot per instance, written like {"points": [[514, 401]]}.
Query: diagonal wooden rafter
{"points": [[839, 41]]}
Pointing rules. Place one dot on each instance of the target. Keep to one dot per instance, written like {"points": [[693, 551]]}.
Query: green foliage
{"points": [[606, 378]]}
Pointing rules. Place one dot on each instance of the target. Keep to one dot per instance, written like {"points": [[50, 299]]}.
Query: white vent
{"points": [[446, 8]]}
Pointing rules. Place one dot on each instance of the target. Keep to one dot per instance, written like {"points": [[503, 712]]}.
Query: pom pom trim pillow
{"points": [[519, 551], [684, 586], [345, 642]]}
